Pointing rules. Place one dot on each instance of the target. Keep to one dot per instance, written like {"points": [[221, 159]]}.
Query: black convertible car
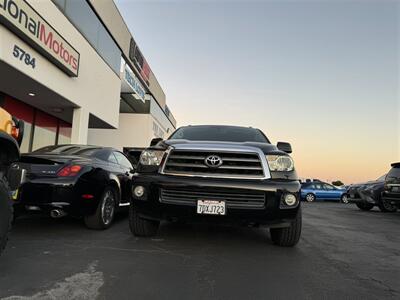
{"points": [[77, 180]]}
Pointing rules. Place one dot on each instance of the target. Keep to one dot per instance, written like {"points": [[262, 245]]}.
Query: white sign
{"points": [[23, 20]]}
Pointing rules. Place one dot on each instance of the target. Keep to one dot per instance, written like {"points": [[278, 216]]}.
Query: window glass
{"points": [[112, 159], [84, 19], [220, 133], [394, 173], [318, 186], [24, 112], [328, 187], [122, 160], [45, 130], [108, 49]]}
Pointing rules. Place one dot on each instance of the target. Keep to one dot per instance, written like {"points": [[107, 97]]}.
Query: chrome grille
{"points": [[233, 199], [235, 164]]}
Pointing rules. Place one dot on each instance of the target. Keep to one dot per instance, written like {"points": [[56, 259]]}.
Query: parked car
{"points": [[391, 190], [369, 194], [82, 181], [133, 154], [317, 190], [223, 174], [11, 133]]}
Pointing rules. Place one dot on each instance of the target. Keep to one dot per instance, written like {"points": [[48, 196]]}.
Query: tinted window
{"points": [[122, 160], [318, 186], [328, 187], [394, 173], [112, 159], [219, 133]]}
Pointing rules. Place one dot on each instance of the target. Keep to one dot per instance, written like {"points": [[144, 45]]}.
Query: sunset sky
{"points": [[322, 75]]}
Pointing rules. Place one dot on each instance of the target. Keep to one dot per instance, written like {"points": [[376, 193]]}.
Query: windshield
{"points": [[220, 133]]}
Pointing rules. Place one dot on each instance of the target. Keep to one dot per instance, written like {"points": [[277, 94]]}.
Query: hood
{"points": [[264, 147]]}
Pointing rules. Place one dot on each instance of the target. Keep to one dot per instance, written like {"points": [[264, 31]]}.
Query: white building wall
{"points": [[97, 87], [135, 130]]}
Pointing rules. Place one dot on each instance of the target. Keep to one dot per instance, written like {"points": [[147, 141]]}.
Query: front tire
{"points": [[141, 227], [6, 213], [105, 212], [365, 206], [386, 206], [289, 236]]}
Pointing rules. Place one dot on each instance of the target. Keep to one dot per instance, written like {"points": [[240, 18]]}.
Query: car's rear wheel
{"points": [[104, 215], [386, 206], [289, 236], [141, 227], [5, 213], [310, 197], [344, 198], [365, 206]]}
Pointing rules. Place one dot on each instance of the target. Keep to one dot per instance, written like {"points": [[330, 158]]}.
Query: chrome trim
{"points": [[123, 204], [222, 148]]}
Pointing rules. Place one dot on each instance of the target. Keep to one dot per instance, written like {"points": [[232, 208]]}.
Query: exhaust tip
{"points": [[57, 213]]}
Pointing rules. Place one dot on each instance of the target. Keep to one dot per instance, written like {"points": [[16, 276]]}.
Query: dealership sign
{"points": [[22, 19], [134, 84]]}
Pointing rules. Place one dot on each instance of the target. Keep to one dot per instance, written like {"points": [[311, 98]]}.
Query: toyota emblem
{"points": [[213, 161]]}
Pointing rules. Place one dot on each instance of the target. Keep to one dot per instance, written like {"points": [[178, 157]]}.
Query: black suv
{"points": [[222, 174], [391, 191]]}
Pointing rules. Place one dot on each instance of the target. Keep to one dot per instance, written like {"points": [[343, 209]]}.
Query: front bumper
{"points": [[152, 204], [392, 197]]}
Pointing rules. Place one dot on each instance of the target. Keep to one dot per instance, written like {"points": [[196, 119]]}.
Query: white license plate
{"points": [[211, 207]]}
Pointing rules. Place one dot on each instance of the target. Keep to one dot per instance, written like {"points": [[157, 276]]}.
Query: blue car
{"points": [[312, 191]]}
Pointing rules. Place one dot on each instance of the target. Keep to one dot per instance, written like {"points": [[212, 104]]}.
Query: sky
{"points": [[322, 75]]}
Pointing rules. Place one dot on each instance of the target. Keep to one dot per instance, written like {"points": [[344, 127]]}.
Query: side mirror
{"points": [[285, 147], [155, 141]]}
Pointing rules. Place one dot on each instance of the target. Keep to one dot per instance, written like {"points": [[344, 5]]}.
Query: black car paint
{"points": [[150, 207], [391, 190], [48, 191]]}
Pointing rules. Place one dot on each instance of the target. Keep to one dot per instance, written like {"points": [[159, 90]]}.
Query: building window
{"points": [[23, 112], [86, 21], [41, 129]]}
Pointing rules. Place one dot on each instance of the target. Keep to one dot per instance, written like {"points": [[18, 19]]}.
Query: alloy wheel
{"points": [[108, 208]]}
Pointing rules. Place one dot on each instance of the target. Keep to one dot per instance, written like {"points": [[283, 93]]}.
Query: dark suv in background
{"points": [[391, 191], [222, 174]]}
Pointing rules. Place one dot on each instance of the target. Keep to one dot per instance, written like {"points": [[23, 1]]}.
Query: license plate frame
{"points": [[211, 207]]}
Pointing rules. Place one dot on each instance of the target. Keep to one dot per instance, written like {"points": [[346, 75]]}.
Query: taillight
{"points": [[69, 171]]}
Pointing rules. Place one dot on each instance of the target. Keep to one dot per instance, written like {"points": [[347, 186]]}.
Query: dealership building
{"points": [[73, 72]]}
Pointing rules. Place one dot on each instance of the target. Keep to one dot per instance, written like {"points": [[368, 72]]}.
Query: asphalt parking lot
{"points": [[344, 253]]}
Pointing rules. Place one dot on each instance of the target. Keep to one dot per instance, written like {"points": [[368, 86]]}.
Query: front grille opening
{"points": [[234, 199], [240, 165]]}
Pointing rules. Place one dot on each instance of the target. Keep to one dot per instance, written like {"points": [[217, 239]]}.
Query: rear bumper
{"points": [[154, 205], [46, 195]]}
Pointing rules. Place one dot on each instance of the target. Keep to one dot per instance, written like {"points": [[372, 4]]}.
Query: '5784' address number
{"points": [[24, 56]]}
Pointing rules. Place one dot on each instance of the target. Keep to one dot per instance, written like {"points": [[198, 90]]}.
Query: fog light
{"points": [[139, 191], [290, 199]]}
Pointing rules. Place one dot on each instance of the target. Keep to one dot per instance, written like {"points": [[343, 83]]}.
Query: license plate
{"points": [[211, 207], [396, 189], [14, 195]]}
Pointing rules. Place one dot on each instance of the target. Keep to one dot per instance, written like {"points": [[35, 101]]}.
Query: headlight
{"points": [[280, 163], [151, 157]]}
